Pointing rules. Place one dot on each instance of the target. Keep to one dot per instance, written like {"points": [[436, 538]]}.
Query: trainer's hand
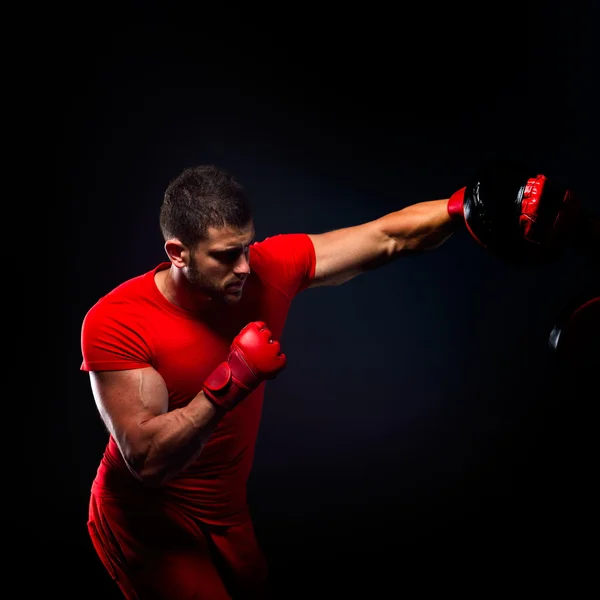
{"points": [[253, 357]]}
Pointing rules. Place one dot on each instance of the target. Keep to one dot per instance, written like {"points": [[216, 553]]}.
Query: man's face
{"points": [[220, 264]]}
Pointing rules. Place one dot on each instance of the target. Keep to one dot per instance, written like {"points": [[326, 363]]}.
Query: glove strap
{"points": [[230, 382], [455, 205]]}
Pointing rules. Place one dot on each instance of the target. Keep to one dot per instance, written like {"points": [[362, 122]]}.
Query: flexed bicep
{"points": [[126, 400]]}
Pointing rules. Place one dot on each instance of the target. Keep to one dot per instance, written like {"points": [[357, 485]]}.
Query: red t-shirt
{"points": [[135, 326]]}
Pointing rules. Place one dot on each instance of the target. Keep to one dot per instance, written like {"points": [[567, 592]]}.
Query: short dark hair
{"points": [[202, 197]]}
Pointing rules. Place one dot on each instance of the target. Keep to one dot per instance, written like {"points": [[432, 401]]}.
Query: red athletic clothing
{"points": [[159, 554], [135, 326]]}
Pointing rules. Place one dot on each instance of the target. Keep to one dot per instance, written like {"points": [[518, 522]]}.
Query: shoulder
{"points": [[123, 302], [281, 245], [285, 261]]}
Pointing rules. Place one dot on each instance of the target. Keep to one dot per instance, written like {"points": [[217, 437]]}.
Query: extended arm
{"points": [[344, 253]]}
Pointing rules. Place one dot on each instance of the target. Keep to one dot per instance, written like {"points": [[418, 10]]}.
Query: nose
{"points": [[242, 265]]}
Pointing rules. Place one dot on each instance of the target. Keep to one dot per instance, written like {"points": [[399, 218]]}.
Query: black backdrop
{"points": [[423, 433]]}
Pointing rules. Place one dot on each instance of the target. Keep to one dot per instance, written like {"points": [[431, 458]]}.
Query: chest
{"points": [[186, 351]]}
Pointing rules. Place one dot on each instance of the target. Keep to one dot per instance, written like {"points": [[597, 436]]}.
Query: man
{"points": [[178, 358]]}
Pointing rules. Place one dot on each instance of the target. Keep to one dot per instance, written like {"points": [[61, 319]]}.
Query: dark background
{"points": [[423, 434]]}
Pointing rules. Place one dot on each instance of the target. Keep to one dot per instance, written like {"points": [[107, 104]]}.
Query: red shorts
{"points": [[160, 554]]}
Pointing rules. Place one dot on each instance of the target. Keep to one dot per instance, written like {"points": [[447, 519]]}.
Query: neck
{"points": [[177, 290]]}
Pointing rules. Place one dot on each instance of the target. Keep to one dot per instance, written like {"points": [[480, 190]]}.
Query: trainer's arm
{"points": [[587, 235], [344, 253], [155, 444]]}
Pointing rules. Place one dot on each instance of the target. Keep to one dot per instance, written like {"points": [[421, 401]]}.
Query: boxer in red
{"points": [[178, 358]]}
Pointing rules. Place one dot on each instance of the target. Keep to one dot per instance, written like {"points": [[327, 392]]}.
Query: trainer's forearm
{"points": [[419, 227], [587, 235], [175, 439]]}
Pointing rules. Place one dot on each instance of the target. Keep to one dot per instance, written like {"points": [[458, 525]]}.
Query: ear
{"points": [[177, 252]]}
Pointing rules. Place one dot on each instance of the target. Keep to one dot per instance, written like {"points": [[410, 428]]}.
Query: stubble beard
{"points": [[200, 282]]}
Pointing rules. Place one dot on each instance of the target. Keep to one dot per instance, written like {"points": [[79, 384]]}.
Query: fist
{"points": [[253, 357], [521, 218], [260, 351]]}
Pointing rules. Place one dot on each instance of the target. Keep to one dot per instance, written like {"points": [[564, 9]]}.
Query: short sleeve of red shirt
{"points": [[110, 341], [288, 261]]}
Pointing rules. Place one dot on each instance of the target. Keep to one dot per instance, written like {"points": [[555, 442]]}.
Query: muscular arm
{"points": [[155, 444], [344, 253]]}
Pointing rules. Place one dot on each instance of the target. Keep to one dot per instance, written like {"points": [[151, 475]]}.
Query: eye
{"points": [[227, 255]]}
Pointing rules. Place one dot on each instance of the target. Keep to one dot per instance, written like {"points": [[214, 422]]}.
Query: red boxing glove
{"points": [[456, 210], [254, 356], [523, 219]]}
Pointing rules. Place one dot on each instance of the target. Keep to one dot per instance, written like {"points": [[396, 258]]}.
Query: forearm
{"points": [[419, 227], [345, 253], [173, 440]]}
